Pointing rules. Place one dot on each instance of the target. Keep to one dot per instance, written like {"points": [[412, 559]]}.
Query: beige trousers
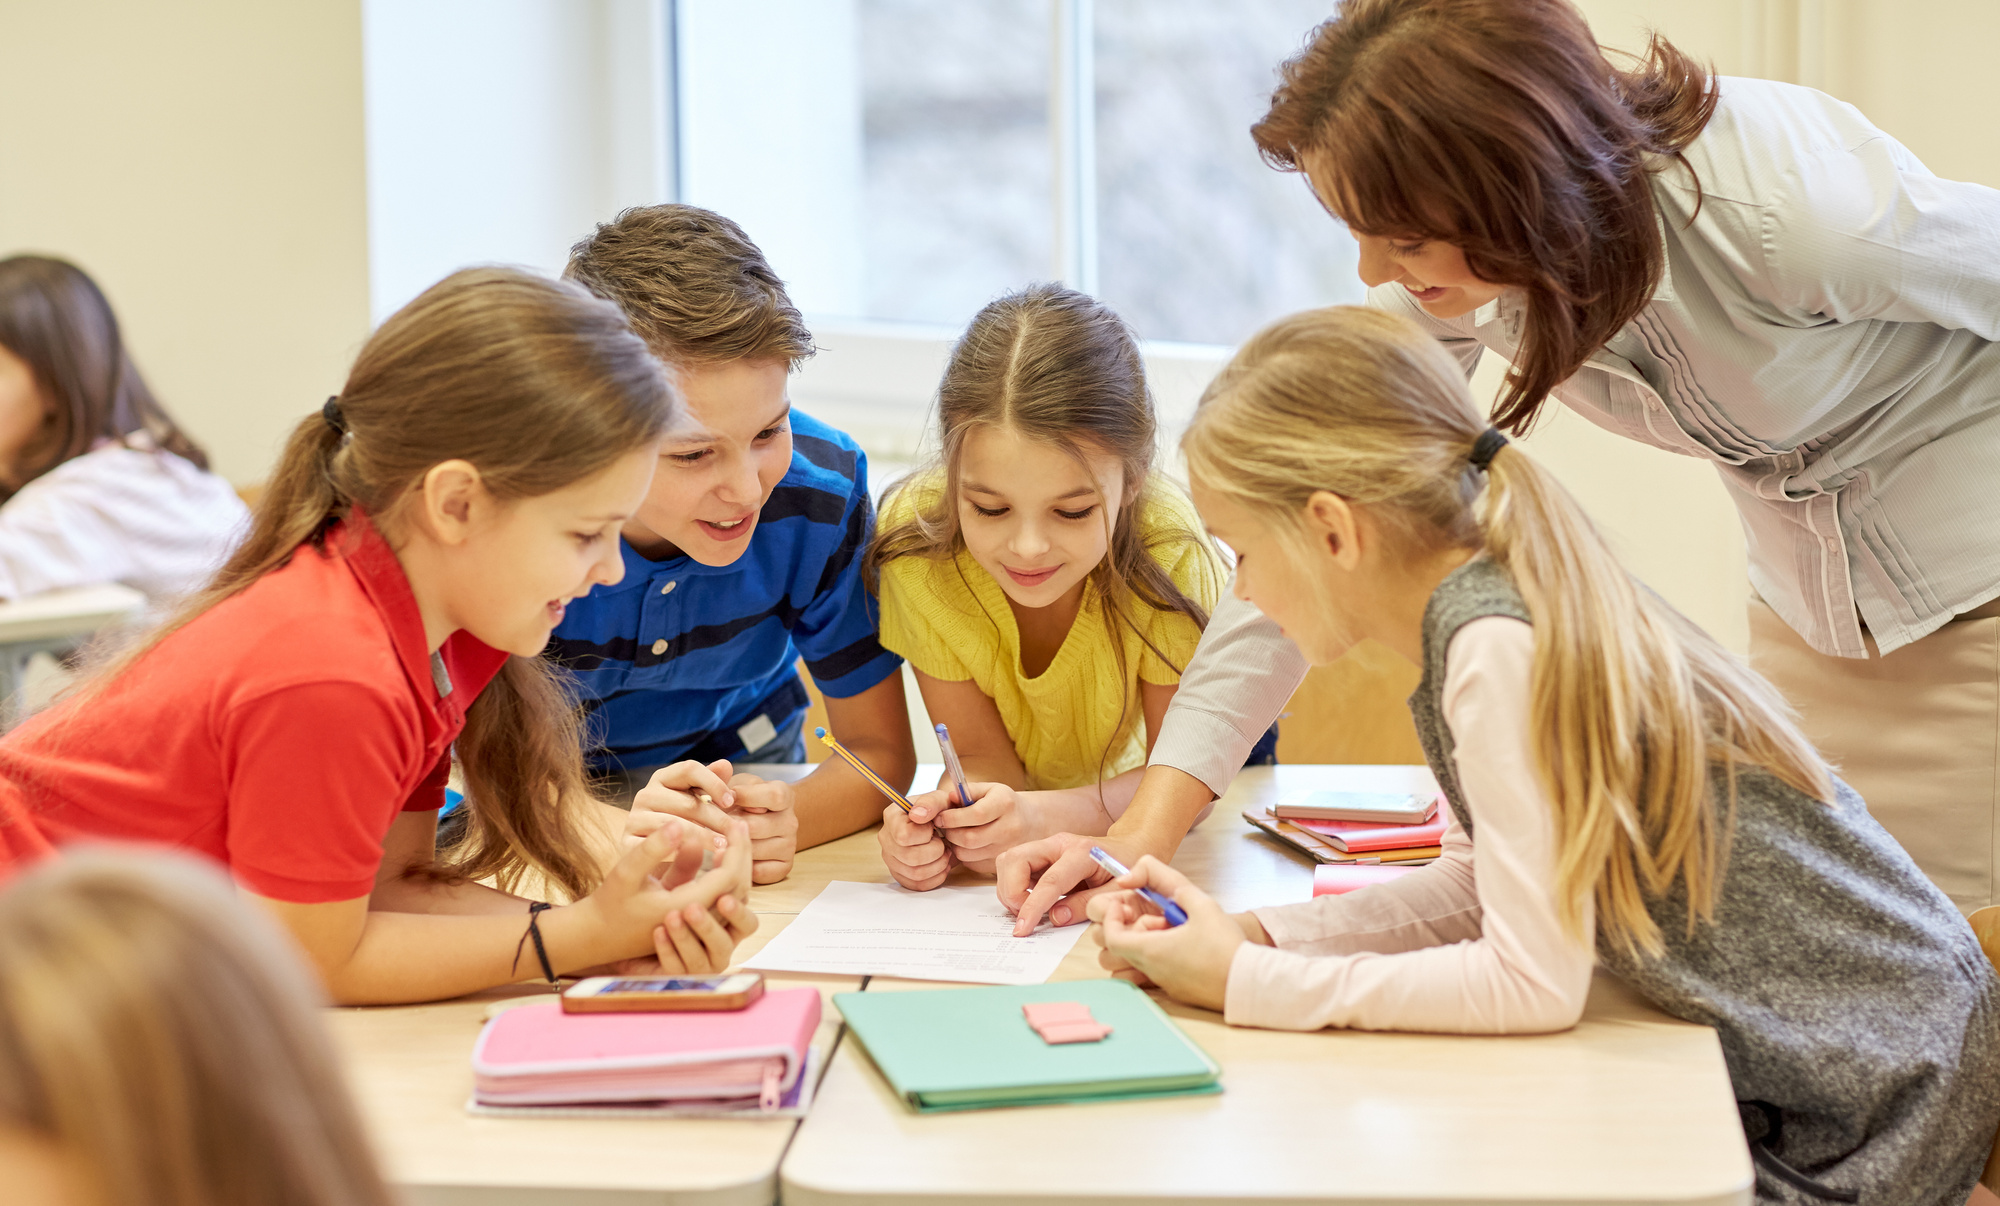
{"points": [[1917, 733]]}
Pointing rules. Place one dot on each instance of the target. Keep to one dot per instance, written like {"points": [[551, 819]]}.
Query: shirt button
{"points": [[659, 647], [668, 589]]}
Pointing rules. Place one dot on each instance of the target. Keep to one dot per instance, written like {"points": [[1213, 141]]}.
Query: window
{"points": [[905, 161]]}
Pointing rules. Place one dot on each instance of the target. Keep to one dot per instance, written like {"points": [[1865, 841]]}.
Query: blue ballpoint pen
{"points": [[951, 764], [1174, 913]]}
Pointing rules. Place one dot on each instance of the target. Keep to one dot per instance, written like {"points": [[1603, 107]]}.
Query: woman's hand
{"points": [[916, 856], [1057, 876], [1190, 961]]}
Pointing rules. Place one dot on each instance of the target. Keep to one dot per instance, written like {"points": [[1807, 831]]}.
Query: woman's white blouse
{"points": [[146, 519], [1827, 334]]}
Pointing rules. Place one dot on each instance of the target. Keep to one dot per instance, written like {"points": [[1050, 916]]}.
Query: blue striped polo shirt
{"points": [[679, 652]]}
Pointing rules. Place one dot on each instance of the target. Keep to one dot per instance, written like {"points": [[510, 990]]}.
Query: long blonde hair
{"points": [[539, 385], [1060, 368], [165, 1038], [1633, 706]]}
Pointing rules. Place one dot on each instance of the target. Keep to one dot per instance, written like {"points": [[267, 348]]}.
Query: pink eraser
{"points": [[1042, 1013], [1073, 1032]]}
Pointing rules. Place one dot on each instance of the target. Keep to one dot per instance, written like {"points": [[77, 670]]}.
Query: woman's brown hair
{"points": [[1061, 368], [165, 1038], [1498, 126], [1633, 707], [54, 317], [539, 385]]}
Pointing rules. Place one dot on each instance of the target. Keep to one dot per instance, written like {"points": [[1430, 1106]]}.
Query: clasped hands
{"points": [[703, 808]]}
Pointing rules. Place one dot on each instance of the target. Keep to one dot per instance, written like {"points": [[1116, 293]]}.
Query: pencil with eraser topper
{"points": [[1174, 914], [952, 764], [848, 756]]}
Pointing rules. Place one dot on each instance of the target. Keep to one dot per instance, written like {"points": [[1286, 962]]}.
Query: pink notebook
{"points": [[1357, 836], [539, 1055]]}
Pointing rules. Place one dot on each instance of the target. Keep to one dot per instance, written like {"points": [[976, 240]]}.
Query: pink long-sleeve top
{"points": [[1466, 945]]}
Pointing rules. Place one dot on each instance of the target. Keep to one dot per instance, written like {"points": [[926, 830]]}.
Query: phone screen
{"points": [[670, 984]]}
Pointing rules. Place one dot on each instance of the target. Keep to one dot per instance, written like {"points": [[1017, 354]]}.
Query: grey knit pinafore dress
{"points": [[1858, 1016]]}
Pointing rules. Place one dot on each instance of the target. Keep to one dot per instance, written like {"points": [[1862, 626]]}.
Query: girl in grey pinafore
{"points": [[1856, 1011]]}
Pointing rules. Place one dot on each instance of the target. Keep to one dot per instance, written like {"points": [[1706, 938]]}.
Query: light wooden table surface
{"points": [[411, 1069], [1630, 1106]]}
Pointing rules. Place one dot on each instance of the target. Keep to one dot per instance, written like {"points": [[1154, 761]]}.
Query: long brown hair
{"points": [[1632, 705], [166, 1038], [539, 385], [54, 317], [1061, 368], [1498, 126]]}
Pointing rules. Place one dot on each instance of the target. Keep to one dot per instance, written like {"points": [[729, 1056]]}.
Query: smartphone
{"points": [[632, 994]]}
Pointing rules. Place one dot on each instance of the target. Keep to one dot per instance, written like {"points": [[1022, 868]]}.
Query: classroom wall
{"points": [[502, 131], [204, 161]]}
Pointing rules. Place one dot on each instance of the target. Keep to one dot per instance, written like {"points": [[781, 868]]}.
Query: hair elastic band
{"points": [[1486, 447], [331, 413]]}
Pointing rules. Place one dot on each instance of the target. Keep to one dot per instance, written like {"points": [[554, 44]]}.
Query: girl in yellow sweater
{"points": [[1044, 584]]}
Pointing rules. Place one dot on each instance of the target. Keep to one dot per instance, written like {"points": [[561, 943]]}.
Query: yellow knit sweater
{"points": [[950, 619]]}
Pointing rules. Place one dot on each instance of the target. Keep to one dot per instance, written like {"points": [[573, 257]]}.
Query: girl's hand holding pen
{"points": [[1190, 961], [999, 818], [916, 856]]}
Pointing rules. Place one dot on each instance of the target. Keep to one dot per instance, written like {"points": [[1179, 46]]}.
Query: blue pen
{"points": [[1175, 914], [951, 764]]}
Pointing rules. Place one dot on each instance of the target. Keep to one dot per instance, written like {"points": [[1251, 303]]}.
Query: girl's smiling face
{"points": [[1033, 515], [1289, 584], [519, 563]]}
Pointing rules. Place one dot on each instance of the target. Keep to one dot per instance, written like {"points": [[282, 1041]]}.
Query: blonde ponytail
{"points": [[1633, 707]]}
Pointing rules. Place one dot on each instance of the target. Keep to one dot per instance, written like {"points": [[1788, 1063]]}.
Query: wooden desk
{"points": [[1630, 1106], [411, 1069]]}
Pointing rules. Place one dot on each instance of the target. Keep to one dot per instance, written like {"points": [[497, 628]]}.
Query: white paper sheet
{"points": [[960, 933]]}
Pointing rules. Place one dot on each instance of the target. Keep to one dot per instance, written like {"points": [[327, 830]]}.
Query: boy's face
{"points": [[715, 476]]}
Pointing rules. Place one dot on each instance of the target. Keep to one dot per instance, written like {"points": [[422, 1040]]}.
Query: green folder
{"points": [[972, 1048]]}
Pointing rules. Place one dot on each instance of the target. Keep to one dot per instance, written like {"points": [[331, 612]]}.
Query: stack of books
{"points": [[1350, 827]]}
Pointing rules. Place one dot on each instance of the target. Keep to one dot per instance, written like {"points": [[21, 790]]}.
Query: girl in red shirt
{"points": [[297, 719]]}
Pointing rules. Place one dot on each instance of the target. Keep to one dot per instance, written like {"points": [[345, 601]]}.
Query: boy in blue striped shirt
{"points": [[745, 557]]}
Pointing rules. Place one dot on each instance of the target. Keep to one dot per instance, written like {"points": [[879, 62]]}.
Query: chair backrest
{"points": [[1986, 924]]}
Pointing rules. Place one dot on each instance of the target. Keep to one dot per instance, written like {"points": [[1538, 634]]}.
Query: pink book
{"points": [[539, 1055], [1356, 836], [1338, 879]]}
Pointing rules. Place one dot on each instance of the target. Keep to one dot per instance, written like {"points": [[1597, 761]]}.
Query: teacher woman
{"points": [[1737, 270]]}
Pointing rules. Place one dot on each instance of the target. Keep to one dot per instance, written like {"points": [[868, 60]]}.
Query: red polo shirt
{"points": [[279, 733]]}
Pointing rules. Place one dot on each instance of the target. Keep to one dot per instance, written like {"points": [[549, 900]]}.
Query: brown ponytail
{"points": [[539, 385], [1498, 126], [1632, 704]]}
